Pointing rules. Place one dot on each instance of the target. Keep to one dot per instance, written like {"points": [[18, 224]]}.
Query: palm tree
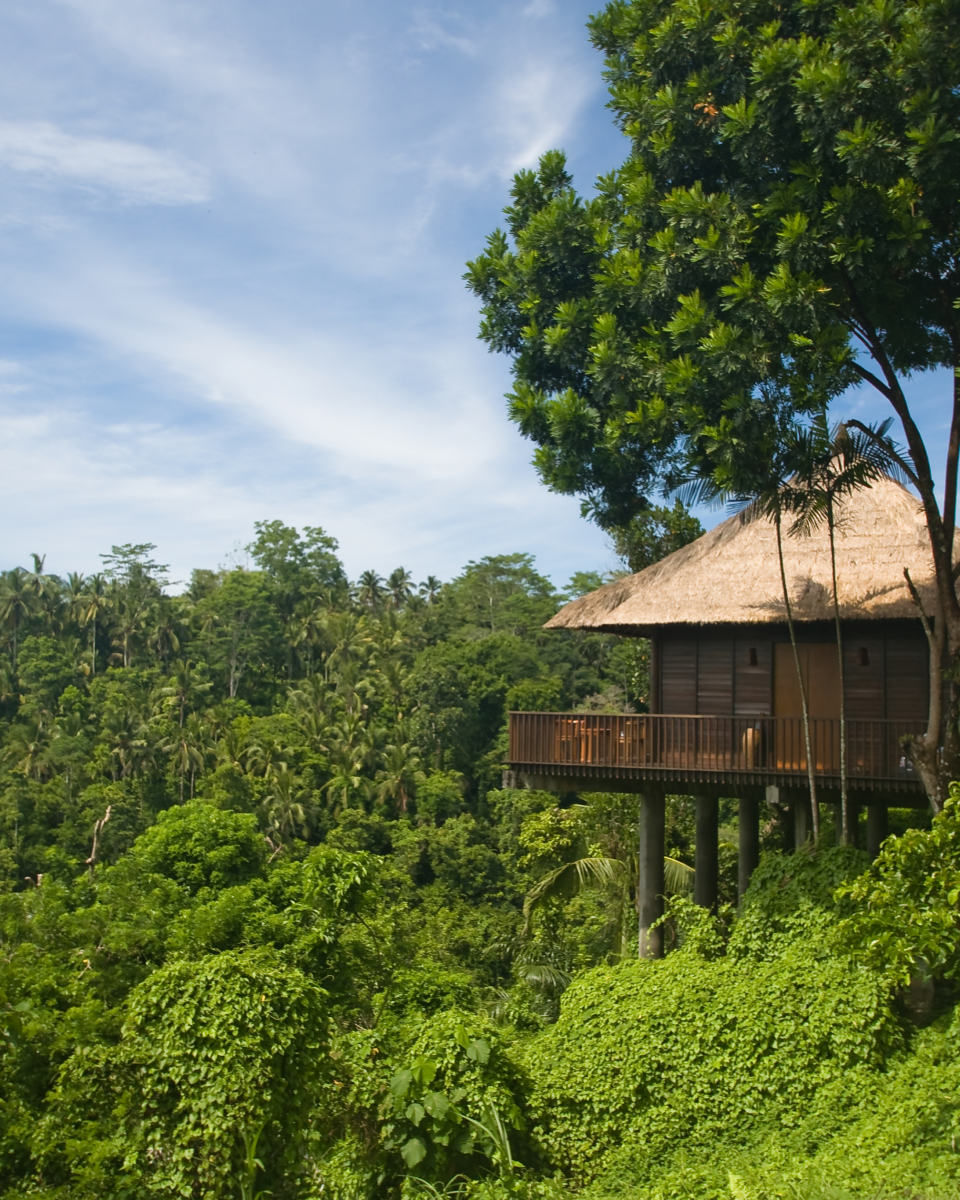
{"points": [[93, 603], [307, 628], [190, 747], [399, 586], [613, 874], [131, 619], [285, 808], [430, 589], [76, 583], [163, 636], [266, 757], [311, 702], [186, 687], [348, 637], [128, 738], [47, 592], [27, 747], [370, 590], [16, 596], [766, 498], [399, 775], [835, 464]]}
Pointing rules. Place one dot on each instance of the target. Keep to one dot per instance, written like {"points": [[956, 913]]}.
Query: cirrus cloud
{"points": [[135, 174]]}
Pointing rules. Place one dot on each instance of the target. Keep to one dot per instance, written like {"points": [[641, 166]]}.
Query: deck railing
{"points": [[662, 745]]}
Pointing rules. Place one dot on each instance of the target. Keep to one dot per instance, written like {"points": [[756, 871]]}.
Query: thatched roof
{"points": [[731, 574]]}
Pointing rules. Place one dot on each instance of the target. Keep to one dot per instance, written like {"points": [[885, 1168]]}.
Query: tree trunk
{"points": [[811, 776], [844, 798]]}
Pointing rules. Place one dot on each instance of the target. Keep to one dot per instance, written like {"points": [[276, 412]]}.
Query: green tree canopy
{"points": [[784, 226]]}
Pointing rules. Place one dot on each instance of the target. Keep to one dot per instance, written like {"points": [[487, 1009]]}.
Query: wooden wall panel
{"points": [[863, 677], [678, 675], [752, 677], [715, 675], [908, 682], [821, 677]]}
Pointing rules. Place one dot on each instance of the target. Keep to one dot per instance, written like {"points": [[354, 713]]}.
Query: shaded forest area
{"points": [[271, 924]]}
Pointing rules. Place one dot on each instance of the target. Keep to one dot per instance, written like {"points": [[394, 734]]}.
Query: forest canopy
{"points": [[266, 919]]}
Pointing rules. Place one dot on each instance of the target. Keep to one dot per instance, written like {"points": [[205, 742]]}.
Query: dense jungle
{"points": [[270, 923]]}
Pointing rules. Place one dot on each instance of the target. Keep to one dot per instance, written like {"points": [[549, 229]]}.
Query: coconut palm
{"points": [[163, 636], [616, 876], [429, 589], [778, 451], [186, 687], [370, 590], [835, 463], [266, 756], [93, 605], [191, 747], [27, 747], [348, 639], [285, 806], [128, 738], [47, 591], [397, 779], [16, 605], [399, 587]]}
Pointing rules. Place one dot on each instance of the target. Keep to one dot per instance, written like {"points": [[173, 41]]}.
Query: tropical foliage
{"points": [[270, 923]]}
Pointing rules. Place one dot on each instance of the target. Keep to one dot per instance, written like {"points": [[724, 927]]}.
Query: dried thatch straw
{"points": [[731, 576]]}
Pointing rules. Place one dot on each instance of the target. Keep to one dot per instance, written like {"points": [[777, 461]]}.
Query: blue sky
{"points": [[232, 236]]}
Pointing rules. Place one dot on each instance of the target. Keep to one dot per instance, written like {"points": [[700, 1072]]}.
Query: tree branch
{"points": [[924, 619], [873, 380]]}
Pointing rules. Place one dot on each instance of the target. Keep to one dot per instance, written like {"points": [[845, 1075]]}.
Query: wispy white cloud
{"points": [[300, 345], [135, 174], [536, 107]]}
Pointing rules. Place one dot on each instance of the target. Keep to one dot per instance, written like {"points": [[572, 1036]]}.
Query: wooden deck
{"points": [[727, 750]]}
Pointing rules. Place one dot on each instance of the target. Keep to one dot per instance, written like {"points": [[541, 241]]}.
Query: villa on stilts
{"points": [[725, 713]]}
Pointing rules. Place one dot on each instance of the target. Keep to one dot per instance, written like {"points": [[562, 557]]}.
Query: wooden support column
{"points": [[706, 860], [749, 841], [650, 884], [802, 819], [854, 823], [876, 828]]}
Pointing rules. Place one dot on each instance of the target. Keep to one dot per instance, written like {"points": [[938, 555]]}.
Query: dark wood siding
{"points": [[907, 683], [753, 671], [715, 676], [863, 675], [678, 674], [712, 672]]}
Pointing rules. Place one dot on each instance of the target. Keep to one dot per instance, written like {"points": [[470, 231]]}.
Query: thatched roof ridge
{"points": [[731, 574]]}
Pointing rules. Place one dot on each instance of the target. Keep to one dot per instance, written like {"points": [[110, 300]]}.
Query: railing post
{"points": [[650, 883]]}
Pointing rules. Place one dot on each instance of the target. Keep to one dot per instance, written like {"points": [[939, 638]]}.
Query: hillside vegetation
{"points": [[262, 923]]}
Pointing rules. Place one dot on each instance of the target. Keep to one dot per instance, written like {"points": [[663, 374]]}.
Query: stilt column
{"points": [[802, 820], [749, 841], [650, 885], [876, 828], [705, 876]]}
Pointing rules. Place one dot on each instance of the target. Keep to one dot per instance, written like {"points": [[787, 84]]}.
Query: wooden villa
{"points": [[725, 715]]}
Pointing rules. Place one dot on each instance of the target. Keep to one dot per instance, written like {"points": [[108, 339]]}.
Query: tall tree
{"points": [[237, 625], [784, 226], [93, 603], [136, 584], [16, 606]]}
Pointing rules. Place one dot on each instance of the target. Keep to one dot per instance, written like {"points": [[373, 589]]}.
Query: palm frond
{"points": [[568, 880], [545, 977], [677, 876]]}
